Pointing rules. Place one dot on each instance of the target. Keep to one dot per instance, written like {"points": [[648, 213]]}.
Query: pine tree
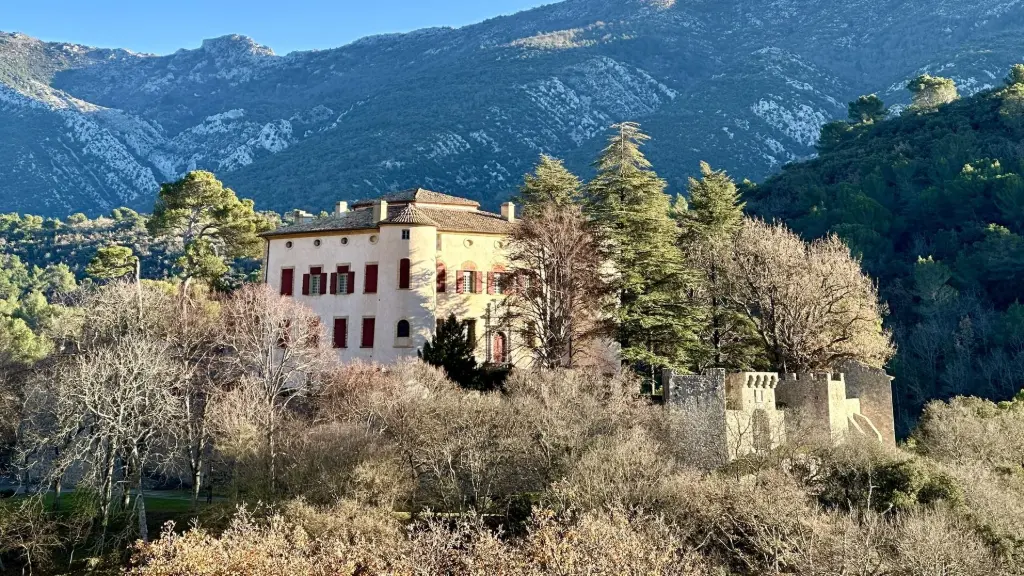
{"points": [[113, 262], [451, 349], [550, 182], [930, 92], [211, 223], [867, 110], [710, 225], [656, 325]]}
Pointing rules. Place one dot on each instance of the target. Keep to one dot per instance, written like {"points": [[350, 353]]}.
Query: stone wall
{"points": [[815, 405], [873, 387], [697, 402]]}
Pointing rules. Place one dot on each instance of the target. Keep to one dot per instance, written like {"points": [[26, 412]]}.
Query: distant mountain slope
{"points": [[744, 84], [934, 203]]}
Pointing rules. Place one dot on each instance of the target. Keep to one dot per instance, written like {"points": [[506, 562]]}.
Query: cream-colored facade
{"points": [[434, 255]]}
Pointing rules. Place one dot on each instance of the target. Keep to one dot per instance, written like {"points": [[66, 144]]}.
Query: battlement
{"points": [[812, 377], [759, 379], [746, 412]]}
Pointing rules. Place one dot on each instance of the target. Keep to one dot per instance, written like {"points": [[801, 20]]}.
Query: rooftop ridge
{"points": [[417, 195]]}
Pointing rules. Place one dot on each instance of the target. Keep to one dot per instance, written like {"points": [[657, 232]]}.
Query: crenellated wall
{"points": [[726, 416]]}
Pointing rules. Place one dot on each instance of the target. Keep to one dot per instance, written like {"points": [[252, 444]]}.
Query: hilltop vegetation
{"points": [[745, 84], [933, 202]]}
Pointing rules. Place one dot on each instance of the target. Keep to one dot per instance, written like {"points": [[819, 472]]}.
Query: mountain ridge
{"points": [[745, 85]]}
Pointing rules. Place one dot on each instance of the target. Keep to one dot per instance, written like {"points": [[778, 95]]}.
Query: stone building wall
{"points": [[873, 388], [699, 401]]}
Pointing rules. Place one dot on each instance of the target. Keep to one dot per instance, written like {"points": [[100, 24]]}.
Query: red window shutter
{"points": [[490, 282], [479, 282], [340, 333], [334, 282], [305, 284], [404, 271], [370, 286], [323, 283], [442, 277], [288, 282], [459, 287], [351, 282], [368, 328]]}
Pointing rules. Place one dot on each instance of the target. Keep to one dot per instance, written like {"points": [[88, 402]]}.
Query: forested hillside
{"points": [[745, 84], [933, 200]]}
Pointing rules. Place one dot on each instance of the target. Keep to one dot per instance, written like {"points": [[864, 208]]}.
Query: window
{"points": [[470, 325], [403, 329], [406, 234], [345, 280], [494, 283], [468, 280], [369, 325], [499, 349], [315, 289], [442, 277], [314, 283], [370, 285], [287, 281], [403, 274], [438, 242], [341, 332]]}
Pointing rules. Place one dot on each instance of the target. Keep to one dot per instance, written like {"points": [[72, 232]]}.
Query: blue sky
{"points": [[161, 27]]}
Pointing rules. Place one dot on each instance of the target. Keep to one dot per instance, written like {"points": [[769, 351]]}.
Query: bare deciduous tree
{"points": [[107, 409], [812, 306], [276, 352], [556, 286]]}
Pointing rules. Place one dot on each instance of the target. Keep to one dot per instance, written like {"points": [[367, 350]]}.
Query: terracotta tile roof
{"points": [[410, 214], [468, 221], [418, 195], [445, 220]]}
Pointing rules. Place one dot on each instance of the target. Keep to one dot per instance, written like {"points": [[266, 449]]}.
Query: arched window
{"points": [[403, 329], [499, 349]]}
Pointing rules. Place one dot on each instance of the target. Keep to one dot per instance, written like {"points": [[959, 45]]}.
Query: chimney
{"points": [[380, 211], [301, 216], [508, 211], [340, 208]]}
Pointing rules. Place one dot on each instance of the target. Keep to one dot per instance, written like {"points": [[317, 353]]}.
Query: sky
{"points": [[161, 27]]}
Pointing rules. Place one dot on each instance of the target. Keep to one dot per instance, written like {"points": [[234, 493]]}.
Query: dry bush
{"points": [[608, 543], [867, 476], [621, 471], [350, 539], [994, 506], [936, 542], [972, 430]]}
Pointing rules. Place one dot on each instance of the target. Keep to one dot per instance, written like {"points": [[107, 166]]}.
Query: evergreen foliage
{"points": [[929, 92], [113, 262], [867, 110], [710, 222], [551, 183], [209, 221], [451, 350], [25, 312], [656, 324], [934, 206]]}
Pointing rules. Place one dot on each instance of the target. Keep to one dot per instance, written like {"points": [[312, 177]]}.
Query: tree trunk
{"points": [[108, 497], [140, 503], [273, 459], [56, 493]]}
